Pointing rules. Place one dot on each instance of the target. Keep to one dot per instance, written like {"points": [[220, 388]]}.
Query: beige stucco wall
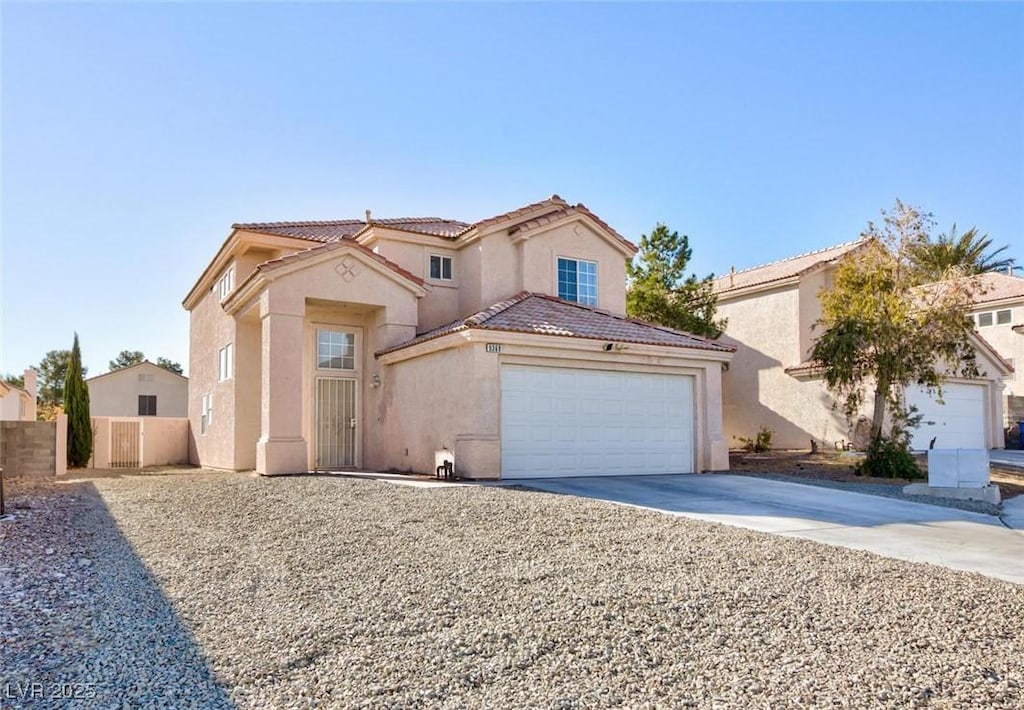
{"points": [[420, 411], [210, 329], [116, 394], [441, 304], [757, 391], [11, 408]]}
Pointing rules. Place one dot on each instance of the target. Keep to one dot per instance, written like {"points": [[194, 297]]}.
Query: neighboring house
{"points": [[772, 383], [380, 343], [19, 404], [999, 316], [143, 390]]}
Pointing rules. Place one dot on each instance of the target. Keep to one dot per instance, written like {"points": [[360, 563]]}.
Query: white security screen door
{"points": [[335, 422]]}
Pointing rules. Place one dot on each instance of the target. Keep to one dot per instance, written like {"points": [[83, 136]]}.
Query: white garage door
{"points": [[565, 422], [958, 423]]}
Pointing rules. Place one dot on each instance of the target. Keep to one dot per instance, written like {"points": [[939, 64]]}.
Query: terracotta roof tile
{"points": [[329, 231], [998, 287], [541, 314], [555, 215], [784, 268]]}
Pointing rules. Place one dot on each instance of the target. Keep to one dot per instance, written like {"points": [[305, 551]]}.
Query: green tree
{"points": [[170, 365], [52, 369], [76, 406], [15, 380], [660, 291], [883, 328], [127, 358], [951, 255]]}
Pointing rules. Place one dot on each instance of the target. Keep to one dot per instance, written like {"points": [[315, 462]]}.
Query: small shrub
{"points": [[889, 459], [760, 443]]}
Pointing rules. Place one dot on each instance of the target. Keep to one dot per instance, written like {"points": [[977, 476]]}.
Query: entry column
{"points": [[281, 447]]}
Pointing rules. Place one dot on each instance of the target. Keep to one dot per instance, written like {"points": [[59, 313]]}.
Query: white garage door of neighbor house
{"points": [[566, 422], [957, 423]]}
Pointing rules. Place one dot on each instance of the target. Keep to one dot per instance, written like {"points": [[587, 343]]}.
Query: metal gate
{"points": [[125, 443], [335, 423]]}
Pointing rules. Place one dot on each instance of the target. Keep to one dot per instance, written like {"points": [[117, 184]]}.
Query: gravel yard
{"points": [[214, 589]]}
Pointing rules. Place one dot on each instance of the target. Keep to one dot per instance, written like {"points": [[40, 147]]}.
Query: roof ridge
{"points": [[302, 223], [850, 243], [482, 316]]}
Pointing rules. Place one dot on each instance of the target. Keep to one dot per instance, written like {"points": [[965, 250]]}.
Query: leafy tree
{"points": [[16, 380], [883, 328], [127, 358], [76, 405], [169, 365], [950, 255], [52, 369], [660, 291]]}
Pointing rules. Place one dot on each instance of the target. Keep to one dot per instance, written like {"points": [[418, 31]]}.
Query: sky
{"points": [[134, 135]]}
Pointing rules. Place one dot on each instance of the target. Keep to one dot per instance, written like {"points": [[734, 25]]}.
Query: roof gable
{"points": [[145, 364]]}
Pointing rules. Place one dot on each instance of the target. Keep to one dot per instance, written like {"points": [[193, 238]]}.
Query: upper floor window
{"points": [[984, 320], [225, 284], [147, 405], [225, 362], [335, 350], [577, 281], [440, 267]]}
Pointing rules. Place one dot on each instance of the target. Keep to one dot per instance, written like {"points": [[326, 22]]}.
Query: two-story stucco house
{"points": [[998, 315], [772, 383], [377, 343]]}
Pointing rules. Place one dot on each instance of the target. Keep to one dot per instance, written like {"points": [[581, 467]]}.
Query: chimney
{"points": [[369, 217], [732, 275]]}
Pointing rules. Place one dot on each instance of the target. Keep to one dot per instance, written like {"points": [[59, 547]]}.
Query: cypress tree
{"points": [[76, 406]]}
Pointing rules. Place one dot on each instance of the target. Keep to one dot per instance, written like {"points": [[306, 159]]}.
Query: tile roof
{"points": [[541, 314], [329, 231], [333, 230], [996, 286], [784, 268]]}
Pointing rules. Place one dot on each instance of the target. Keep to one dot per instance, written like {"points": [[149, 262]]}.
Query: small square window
{"points": [[335, 350], [984, 319], [147, 405], [440, 267], [1004, 317]]}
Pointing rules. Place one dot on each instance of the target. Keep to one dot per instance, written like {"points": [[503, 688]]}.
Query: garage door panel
{"points": [[563, 422], [956, 423]]}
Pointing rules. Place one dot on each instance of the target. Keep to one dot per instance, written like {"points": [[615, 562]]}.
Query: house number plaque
{"points": [[494, 347]]}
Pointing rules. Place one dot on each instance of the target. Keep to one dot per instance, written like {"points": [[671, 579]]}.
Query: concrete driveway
{"points": [[1007, 458], [909, 531]]}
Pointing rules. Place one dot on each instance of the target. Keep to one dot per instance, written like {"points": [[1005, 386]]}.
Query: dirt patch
{"points": [[840, 465]]}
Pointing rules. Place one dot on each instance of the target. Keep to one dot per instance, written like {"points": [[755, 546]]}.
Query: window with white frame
{"points": [[440, 267], [335, 350], [225, 284], [205, 413], [990, 318], [577, 281], [225, 362]]}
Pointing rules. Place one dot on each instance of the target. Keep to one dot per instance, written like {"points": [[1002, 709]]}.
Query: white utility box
{"points": [[958, 468]]}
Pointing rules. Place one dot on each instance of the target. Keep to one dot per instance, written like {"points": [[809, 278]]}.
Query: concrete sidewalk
{"points": [[916, 532]]}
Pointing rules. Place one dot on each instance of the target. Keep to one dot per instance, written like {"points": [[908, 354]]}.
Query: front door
{"points": [[335, 422]]}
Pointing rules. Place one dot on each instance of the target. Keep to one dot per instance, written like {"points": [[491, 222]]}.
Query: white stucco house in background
{"points": [[19, 404], [140, 390], [377, 343], [771, 382]]}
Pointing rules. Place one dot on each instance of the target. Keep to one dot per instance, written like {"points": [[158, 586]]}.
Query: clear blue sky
{"points": [[133, 135]]}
